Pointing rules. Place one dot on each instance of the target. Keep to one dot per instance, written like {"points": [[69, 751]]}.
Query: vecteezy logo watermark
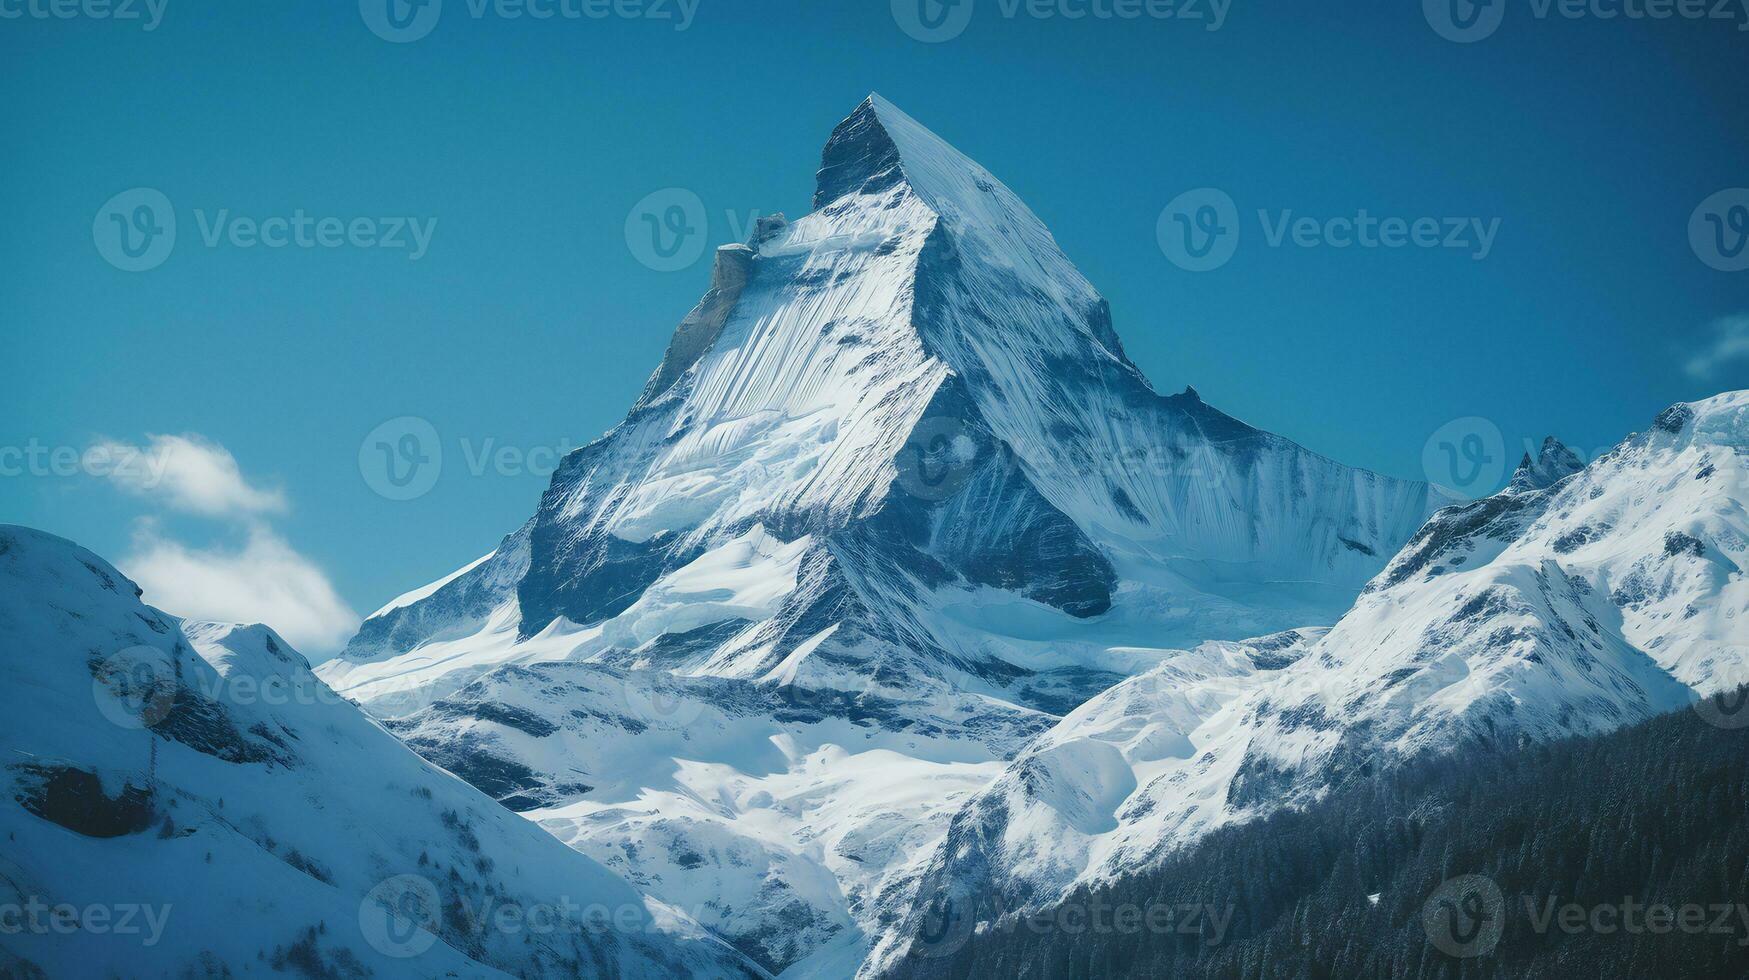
{"points": [[1718, 230], [1464, 21], [943, 923], [1639, 918], [1467, 456], [946, 920], [402, 21], [1728, 710], [1465, 916], [140, 686], [1468, 21], [39, 918], [135, 688], [300, 230], [135, 230], [402, 458], [935, 21], [1199, 231], [399, 916], [940, 456], [1363, 230], [932, 21], [667, 230], [149, 13], [657, 699]]}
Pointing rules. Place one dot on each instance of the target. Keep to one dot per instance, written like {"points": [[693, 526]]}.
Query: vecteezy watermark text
{"points": [[1199, 231], [36, 917], [935, 21], [405, 21], [132, 464], [1468, 21], [946, 921], [402, 458], [301, 230], [136, 231], [147, 13], [403, 916], [1466, 916]]}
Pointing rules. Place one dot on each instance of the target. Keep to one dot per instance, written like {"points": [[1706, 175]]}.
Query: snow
{"points": [[1576, 601], [767, 525], [409, 598], [895, 540], [274, 810]]}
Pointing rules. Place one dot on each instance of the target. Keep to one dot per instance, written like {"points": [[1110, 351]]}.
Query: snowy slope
{"points": [[196, 780], [894, 466], [1577, 600], [772, 814]]}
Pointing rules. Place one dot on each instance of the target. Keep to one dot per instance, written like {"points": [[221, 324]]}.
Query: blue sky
{"points": [[515, 319]]}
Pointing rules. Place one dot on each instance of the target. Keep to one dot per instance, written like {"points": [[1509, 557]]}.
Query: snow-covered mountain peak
{"points": [[895, 469], [202, 770], [878, 146], [878, 149], [1553, 463]]}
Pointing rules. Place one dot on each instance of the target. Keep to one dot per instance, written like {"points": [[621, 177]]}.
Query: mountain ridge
{"points": [[894, 493]]}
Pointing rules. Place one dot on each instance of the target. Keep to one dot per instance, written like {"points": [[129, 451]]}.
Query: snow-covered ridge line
{"points": [[200, 769], [1579, 599]]}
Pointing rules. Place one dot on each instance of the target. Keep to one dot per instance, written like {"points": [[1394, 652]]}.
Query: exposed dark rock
{"points": [[74, 799]]}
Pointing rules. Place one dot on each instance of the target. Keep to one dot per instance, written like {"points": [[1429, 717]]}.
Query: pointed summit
{"points": [[878, 146], [860, 157], [1554, 462]]}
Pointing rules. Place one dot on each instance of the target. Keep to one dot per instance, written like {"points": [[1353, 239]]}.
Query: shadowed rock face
{"points": [[74, 798]]}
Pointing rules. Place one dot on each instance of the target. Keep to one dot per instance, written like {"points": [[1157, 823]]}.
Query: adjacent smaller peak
{"points": [[1554, 462], [1190, 394]]}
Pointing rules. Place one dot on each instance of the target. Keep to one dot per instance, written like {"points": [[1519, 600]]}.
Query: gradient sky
{"points": [[530, 324]]}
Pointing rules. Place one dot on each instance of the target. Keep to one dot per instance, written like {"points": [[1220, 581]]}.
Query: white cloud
{"points": [[1730, 343], [265, 581], [186, 472]]}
